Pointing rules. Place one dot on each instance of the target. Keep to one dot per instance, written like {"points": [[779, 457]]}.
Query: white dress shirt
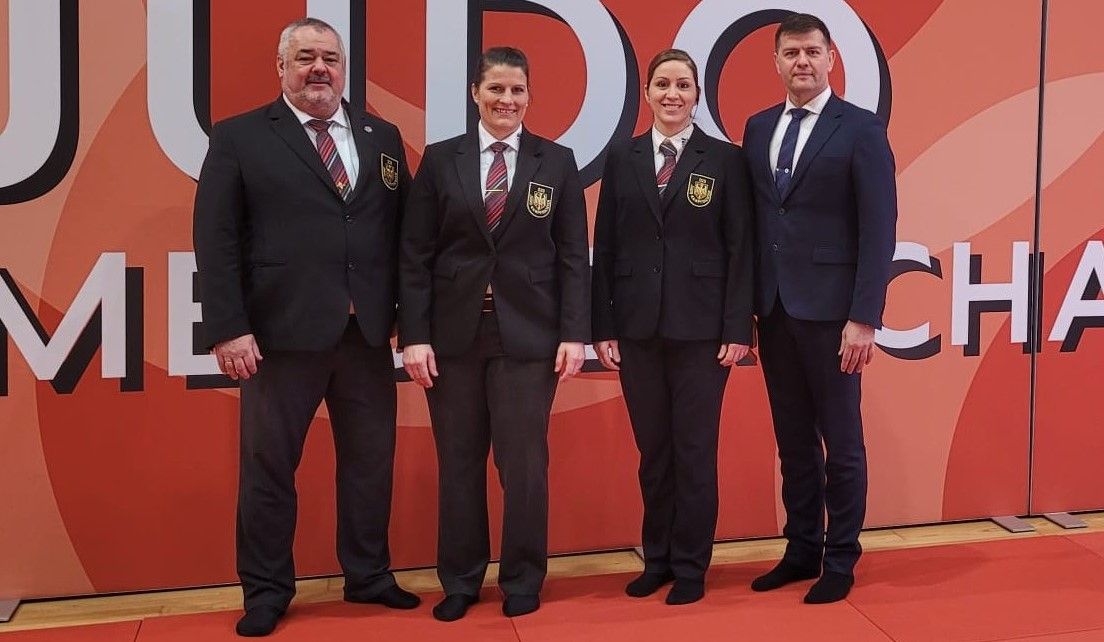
{"points": [[486, 156], [342, 138], [815, 106], [678, 140]]}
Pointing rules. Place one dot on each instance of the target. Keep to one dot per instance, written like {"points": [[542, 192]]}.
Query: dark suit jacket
{"points": [[279, 253], [536, 261], [674, 267], [825, 246]]}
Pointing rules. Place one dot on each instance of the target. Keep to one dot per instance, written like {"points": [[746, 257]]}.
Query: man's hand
{"points": [[238, 358], [730, 353], [420, 363], [856, 347], [608, 354], [569, 359]]}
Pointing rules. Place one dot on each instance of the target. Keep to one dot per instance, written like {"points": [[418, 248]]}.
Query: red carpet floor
{"points": [[1033, 589]]}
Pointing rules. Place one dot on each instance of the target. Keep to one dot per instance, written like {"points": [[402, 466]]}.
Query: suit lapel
{"points": [[467, 172], [826, 125], [367, 153], [762, 163], [688, 161], [288, 127], [528, 161], [643, 160]]}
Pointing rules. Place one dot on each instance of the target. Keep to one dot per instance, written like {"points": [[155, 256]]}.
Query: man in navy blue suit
{"points": [[826, 207]]}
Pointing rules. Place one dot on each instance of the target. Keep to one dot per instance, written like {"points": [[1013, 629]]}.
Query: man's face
{"points": [[312, 74], [803, 61]]}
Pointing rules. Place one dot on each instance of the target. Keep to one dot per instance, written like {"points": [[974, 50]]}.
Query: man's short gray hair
{"points": [[321, 25]]}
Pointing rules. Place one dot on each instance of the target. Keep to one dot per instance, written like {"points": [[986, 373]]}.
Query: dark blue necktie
{"points": [[783, 171]]}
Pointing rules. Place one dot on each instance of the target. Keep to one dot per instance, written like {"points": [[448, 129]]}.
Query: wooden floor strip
{"points": [[119, 608]]}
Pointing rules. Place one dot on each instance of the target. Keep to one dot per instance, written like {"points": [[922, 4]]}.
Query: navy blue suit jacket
{"points": [[825, 245]]}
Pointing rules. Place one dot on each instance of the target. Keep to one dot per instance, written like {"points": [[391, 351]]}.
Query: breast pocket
{"points": [[830, 167]]}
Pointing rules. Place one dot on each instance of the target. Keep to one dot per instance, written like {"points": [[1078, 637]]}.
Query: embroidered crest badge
{"points": [[699, 191], [539, 200], [389, 171]]}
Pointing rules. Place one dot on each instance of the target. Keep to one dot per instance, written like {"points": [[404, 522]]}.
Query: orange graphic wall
{"points": [[112, 483], [1069, 440]]}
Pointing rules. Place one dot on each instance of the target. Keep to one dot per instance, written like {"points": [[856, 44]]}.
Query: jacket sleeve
{"points": [[569, 232], [219, 233], [738, 230], [874, 178], [404, 194], [417, 253], [605, 235]]}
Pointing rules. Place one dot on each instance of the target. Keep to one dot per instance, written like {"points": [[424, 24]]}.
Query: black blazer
{"points": [[680, 266], [536, 261], [825, 246], [279, 253]]}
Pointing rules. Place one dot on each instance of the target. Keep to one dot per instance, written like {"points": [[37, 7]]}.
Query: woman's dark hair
{"points": [[508, 56], [677, 55]]}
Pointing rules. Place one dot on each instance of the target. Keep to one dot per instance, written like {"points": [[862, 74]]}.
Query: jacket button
{"points": [[774, 246], [655, 269], [781, 211], [351, 266], [659, 237], [349, 218]]}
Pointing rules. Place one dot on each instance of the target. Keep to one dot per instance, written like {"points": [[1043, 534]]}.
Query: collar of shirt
{"points": [[486, 139], [815, 106], [338, 116], [678, 140]]}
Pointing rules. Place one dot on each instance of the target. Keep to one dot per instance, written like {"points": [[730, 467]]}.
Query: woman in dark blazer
{"points": [[492, 305], [672, 299]]}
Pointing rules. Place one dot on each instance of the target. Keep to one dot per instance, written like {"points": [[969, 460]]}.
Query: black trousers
{"points": [[277, 405], [818, 426], [673, 390], [484, 398]]}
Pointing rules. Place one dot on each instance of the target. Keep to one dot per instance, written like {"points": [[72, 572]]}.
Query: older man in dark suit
{"points": [[296, 224], [826, 206]]}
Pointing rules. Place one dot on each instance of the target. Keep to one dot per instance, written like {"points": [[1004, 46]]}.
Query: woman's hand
{"points": [[569, 359], [608, 354], [420, 364], [730, 353]]}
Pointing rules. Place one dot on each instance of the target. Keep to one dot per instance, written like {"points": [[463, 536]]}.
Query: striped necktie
{"points": [[494, 198], [668, 168], [330, 158]]}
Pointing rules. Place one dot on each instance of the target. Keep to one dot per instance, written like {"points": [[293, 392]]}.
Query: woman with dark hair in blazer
{"points": [[493, 304], [672, 312]]}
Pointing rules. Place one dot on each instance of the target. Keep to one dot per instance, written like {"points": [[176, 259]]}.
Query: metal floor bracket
{"points": [[1065, 520], [7, 609], [1013, 524]]}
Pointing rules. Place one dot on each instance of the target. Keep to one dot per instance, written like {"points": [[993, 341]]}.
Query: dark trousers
{"points": [[480, 399], [673, 390], [277, 406], [818, 425]]}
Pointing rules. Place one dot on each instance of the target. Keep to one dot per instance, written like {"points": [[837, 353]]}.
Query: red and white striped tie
{"points": [[668, 168], [494, 198], [330, 158]]}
